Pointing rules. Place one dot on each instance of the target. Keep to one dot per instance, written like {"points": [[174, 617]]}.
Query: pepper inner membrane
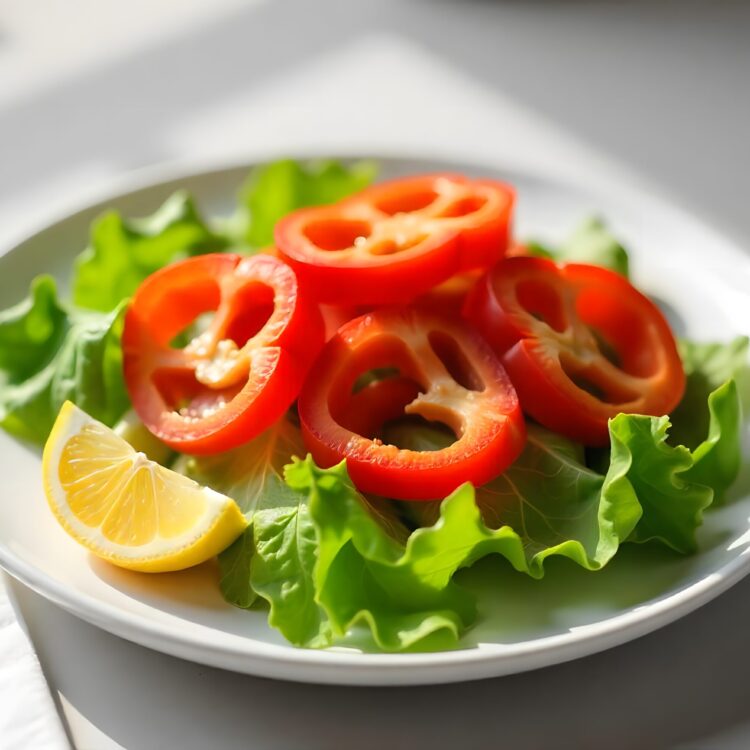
{"points": [[381, 380]]}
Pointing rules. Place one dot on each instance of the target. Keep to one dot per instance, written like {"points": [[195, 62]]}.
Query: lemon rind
{"points": [[199, 543]]}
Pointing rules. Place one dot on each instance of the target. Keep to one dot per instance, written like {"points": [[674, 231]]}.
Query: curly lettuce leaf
{"points": [[717, 459], [708, 366], [363, 574], [274, 559], [550, 503], [650, 490], [282, 572], [275, 189], [50, 354], [591, 242], [659, 473], [557, 506], [274, 556], [547, 503], [333, 560], [123, 252]]}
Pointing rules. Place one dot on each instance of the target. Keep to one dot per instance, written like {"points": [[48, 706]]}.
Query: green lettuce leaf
{"points": [[549, 503], [274, 559], [50, 354], [591, 242], [708, 366], [672, 504], [274, 556], [334, 560], [234, 567], [273, 190], [281, 572], [363, 574], [650, 490], [123, 252], [717, 459], [244, 473]]}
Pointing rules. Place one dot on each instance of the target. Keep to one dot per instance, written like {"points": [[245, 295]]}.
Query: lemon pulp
{"points": [[128, 509]]}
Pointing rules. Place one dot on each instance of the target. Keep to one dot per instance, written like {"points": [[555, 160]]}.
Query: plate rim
{"points": [[353, 668]]}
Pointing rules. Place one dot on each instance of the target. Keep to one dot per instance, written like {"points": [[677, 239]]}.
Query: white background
{"points": [[653, 92]]}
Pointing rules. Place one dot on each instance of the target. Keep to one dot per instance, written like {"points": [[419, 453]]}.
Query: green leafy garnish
{"points": [[672, 505], [650, 490], [350, 562], [274, 556], [274, 559], [276, 189], [247, 473], [49, 354], [365, 575], [707, 366], [551, 503], [548, 503], [717, 459], [591, 242], [123, 252], [286, 549], [234, 564]]}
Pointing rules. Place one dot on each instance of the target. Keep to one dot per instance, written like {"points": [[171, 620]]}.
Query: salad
{"points": [[349, 390]]}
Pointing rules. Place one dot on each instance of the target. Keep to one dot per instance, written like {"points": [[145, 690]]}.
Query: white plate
{"points": [[699, 276]]}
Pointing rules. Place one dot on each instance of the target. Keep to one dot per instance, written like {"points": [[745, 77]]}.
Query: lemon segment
{"points": [[127, 509]]}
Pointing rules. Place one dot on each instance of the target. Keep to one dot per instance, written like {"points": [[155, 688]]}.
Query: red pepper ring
{"points": [[579, 342], [446, 374], [237, 377], [398, 239]]}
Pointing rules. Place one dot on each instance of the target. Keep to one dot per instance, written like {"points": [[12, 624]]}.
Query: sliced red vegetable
{"points": [[334, 316], [425, 365], [240, 374], [396, 240], [449, 297], [517, 248], [580, 343]]}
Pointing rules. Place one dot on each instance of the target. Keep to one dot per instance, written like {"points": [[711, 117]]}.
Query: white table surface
{"points": [[649, 91]]}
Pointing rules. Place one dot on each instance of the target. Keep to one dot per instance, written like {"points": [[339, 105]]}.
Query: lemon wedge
{"points": [[127, 509]]}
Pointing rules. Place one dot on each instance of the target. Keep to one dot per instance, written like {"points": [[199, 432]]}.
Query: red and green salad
{"points": [[352, 389]]}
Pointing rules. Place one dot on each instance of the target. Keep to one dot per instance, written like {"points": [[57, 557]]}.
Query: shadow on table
{"points": [[632, 696]]}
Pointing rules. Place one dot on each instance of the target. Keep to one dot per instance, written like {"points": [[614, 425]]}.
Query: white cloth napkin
{"points": [[28, 718]]}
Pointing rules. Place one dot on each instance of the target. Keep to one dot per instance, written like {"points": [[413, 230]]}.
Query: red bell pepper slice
{"points": [[238, 376], [445, 373], [398, 239], [580, 344]]}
